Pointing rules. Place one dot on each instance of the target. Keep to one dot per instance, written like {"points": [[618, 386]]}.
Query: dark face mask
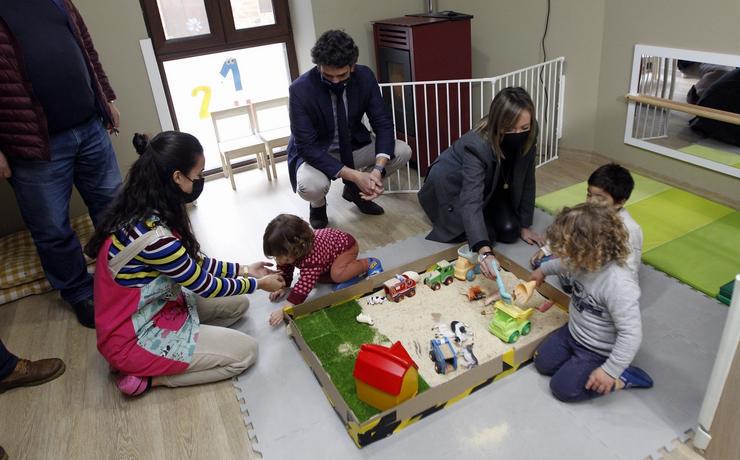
{"points": [[197, 190], [335, 88], [513, 143]]}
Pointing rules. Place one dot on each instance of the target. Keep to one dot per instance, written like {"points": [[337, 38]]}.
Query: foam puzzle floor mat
{"points": [[287, 413], [687, 236]]}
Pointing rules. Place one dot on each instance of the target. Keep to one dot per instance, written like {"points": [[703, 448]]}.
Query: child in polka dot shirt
{"points": [[326, 255]]}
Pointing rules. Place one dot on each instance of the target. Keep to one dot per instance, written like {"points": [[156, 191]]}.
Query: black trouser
{"points": [[8, 361], [501, 220]]}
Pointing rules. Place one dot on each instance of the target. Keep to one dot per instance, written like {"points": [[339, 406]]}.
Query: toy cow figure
{"points": [[375, 300], [460, 330]]}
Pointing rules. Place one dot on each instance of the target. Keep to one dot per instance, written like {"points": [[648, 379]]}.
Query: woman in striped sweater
{"points": [[153, 286]]}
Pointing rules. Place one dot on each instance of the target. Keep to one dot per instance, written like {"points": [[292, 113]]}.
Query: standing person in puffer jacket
{"points": [[57, 105]]}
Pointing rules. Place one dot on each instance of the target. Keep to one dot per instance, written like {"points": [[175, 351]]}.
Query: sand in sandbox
{"points": [[411, 321]]}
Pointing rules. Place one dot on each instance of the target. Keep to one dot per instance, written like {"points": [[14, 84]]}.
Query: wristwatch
{"points": [[481, 257], [381, 169]]}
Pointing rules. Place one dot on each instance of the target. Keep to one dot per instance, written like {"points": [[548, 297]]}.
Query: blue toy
{"points": [[374, 267], [443, 355], [505, 296]]}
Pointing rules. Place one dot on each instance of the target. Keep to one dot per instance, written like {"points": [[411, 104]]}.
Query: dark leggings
{"points": [[569, 363], [501, 220], [7, 361]]}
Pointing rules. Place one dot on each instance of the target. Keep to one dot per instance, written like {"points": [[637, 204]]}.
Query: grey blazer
{"points": [[461, 182]]}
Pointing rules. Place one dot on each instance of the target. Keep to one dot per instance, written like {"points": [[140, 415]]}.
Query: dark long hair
{"points": [[150, 190], [503, 114]]}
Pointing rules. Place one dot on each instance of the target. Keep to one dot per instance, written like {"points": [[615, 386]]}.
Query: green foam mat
{"points": [[568, 196], [726, 289], [672, 214], [571, 196], [702, 258], [709, 153]]}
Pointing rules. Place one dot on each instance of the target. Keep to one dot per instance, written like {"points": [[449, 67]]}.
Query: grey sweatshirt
{"points": [[604, 312]]}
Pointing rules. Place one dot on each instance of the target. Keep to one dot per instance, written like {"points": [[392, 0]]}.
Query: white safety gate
{"points": [[431, 115]]}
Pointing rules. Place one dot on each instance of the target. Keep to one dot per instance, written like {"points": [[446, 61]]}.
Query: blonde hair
{"points": [[502, 116], [589, 236]]}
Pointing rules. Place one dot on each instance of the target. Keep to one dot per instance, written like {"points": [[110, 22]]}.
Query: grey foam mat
{"points": [[517, 416]]}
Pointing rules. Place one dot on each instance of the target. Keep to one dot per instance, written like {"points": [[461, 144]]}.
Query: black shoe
{"points": [[85, 311], [317, 217], [365, 207]]}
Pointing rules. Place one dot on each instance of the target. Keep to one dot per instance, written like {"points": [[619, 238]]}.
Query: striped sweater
{"points": [[167, 256]]}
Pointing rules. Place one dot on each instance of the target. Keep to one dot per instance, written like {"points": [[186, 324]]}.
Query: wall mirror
{"points": [[685, 104]]}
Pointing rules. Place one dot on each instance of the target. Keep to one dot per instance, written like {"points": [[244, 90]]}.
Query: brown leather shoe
{"points": [[29, 373]]}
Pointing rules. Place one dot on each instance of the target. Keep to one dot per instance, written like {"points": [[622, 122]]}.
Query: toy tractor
{"points": [[443, 355], [509, 322], [441, 273], [466, 265], [399, 286]]}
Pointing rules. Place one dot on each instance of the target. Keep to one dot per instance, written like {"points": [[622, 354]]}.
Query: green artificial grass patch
{"points": [[335, 337]]}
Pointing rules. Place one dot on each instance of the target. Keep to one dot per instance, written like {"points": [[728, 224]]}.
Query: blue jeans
{"points": [[82, 156], [569, 363], [7, 361]]}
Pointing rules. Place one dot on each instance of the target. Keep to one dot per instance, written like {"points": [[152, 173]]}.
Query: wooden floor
{"points": [[83, 416]]}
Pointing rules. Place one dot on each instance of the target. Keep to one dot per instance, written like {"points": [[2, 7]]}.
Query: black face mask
{"points": [[197, 190], [513, 143], [335, 88]]}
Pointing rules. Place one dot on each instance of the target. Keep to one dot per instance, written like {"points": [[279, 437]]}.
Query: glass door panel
{"points": [[201, 84], [252, 13], [183, 18]]}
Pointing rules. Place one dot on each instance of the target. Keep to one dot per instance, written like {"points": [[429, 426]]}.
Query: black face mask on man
{"points": [[197, 190], [513, 143], [335, 88]]}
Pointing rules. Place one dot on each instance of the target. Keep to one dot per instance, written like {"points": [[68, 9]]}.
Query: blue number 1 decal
{"points": [[231, 65]]}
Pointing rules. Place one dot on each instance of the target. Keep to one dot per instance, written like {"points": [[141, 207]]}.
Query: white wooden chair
{"points": [[236, 134], [273, 126]]}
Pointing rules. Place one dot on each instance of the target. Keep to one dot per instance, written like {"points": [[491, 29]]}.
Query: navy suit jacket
{"points": [[312, 120]]}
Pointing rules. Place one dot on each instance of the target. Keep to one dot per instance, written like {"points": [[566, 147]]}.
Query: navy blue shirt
{"points": [[53, 61]]}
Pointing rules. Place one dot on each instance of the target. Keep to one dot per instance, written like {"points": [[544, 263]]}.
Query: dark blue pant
{"points": [[569, 363], [7, 361], [81, 156]]}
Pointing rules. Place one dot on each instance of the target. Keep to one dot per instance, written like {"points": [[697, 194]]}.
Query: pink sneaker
{"points": [[132, 385]]}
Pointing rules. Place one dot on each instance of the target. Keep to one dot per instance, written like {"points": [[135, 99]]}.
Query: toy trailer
{"points": [[399, 286], [443, 355], [509, 322], [466, 266]]}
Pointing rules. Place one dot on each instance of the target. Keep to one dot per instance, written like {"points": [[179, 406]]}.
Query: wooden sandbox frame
{"points": [[435, 398]]}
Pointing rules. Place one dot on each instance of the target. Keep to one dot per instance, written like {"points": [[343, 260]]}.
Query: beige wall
{"points": [[506, 37], [116, 28], [304, 34], [355, 17], [704, 26]]}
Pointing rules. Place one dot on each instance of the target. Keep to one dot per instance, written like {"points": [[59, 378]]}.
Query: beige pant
{"points": [[220, 352], [313, 185]]}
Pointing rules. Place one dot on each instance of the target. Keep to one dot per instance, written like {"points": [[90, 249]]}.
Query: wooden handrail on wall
{"points": [[699, 111]]}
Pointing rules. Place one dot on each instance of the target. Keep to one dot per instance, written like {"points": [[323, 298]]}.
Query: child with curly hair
{"points": [[591, 355], [325, 254]]}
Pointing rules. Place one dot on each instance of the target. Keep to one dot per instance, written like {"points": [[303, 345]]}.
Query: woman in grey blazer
{"points": [[481, 189]]}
